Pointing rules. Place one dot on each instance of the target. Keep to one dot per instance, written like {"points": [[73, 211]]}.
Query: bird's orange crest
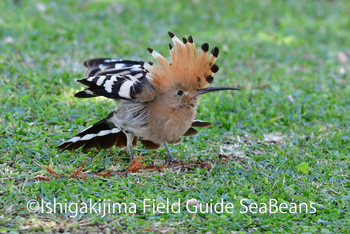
{"points": [[188, 67]]}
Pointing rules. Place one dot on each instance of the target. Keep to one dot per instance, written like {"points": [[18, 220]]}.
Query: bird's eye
{"points": [[180, 92]]}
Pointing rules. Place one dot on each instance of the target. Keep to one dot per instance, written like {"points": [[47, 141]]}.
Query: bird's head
{"points": [[178, 96], [187, 75]]}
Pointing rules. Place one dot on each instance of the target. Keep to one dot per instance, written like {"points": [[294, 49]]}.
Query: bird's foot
{"points": [[171, 161]]}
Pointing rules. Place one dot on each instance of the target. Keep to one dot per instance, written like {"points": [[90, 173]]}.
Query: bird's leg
{"points": [[129, 139], [131, 154], [170, 159]]}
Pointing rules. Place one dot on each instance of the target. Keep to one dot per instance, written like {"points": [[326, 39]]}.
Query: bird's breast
{"points": [[168, 125]]}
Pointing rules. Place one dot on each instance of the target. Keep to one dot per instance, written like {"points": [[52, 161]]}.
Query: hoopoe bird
{"points": [[156, 103]]}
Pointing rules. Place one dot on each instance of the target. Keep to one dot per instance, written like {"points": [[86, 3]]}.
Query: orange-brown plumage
{"points": [[187, 67]]}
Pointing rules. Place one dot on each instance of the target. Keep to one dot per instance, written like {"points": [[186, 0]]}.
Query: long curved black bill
{"points": [[212, 89]]}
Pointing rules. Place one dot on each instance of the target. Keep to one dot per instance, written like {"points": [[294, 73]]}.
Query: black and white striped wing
{"points": [[102, 66], [117, 79]]}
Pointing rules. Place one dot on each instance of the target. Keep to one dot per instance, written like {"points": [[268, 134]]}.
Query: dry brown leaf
{"points": [[157, 168], [51, 171], [105, 174], [75, 172], [42, 178], [136, 165], [224, 158], [83, 176], [206, 164]]}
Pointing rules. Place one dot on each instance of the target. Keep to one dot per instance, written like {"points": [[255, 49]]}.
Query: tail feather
{"points": [[102, 134]]}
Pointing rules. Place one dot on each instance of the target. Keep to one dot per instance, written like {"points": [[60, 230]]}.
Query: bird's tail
{"points": [[102, 134]]}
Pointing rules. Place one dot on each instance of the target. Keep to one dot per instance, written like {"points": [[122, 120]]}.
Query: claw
{"points": [[170, 159]]}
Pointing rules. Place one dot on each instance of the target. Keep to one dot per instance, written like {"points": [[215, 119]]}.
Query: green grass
{"points": [[272, 49]]}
